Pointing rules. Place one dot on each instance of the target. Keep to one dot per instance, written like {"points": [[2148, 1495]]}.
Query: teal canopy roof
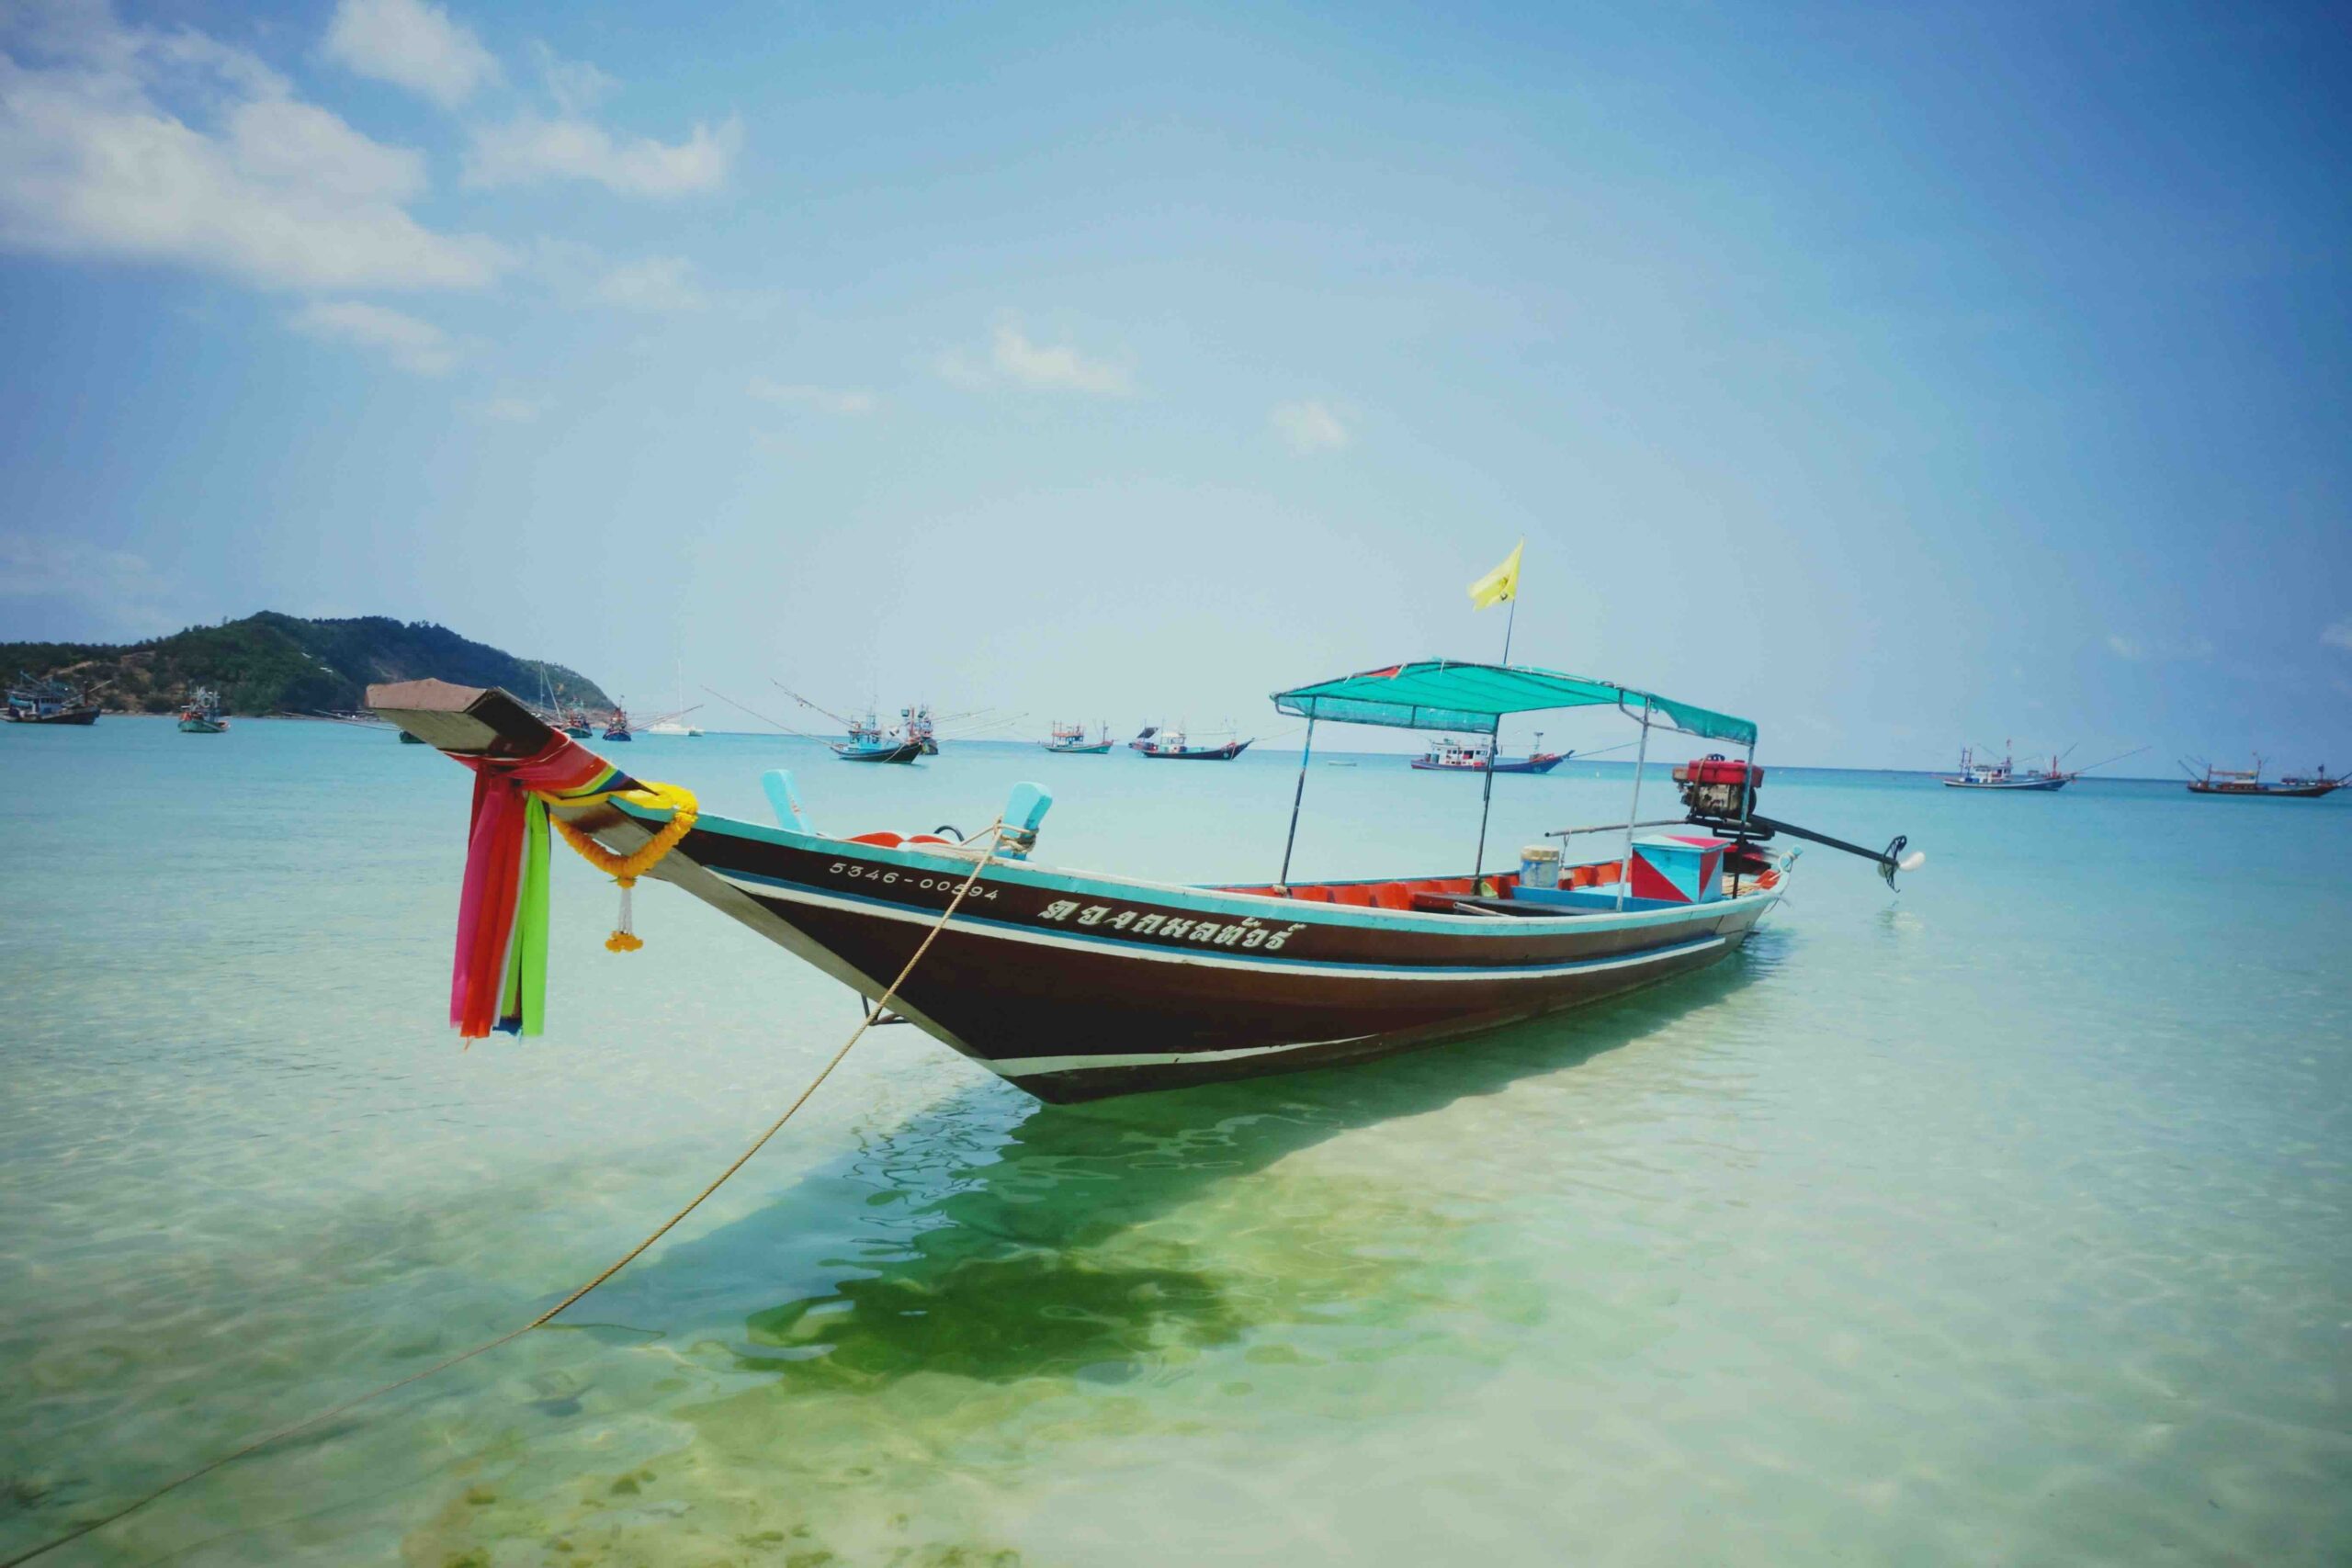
{"points": [[1444, 693]]}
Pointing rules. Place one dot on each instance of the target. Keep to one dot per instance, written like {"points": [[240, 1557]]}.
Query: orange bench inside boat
{"points": [[1429, 895]]}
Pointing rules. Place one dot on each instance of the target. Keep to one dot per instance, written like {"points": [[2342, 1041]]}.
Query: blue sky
{"points": [[1898, 377]]}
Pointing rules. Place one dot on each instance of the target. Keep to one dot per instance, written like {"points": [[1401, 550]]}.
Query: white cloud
{"points": [[2125, 648], [530, 148], [1046, 366], [135, 145], [2338, 635], [1309, 426], [574, 84], [412, 44], [509, 410], [657, 283], [824, 399], [414, 345], [120, 588]]}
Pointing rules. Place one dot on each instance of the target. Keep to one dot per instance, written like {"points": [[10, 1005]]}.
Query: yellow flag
{"points": [[1500, 583]]}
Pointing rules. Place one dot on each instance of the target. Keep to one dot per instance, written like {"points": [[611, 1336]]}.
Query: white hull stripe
{"points": [[1272, 964], [1030, 1066]]}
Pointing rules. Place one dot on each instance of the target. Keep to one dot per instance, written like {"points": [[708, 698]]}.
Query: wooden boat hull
{"points": [[203, 726], [70, 716], [1073, 987], [2040, 784], [904, 754], [2266, 791], [1224, 753], [1097, 749]]}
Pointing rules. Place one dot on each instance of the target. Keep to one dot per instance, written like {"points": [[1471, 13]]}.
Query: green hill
{"points": [[272, 663]]}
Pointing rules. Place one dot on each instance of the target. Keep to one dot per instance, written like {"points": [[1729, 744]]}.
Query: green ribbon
{"points": [[523, 1006]]}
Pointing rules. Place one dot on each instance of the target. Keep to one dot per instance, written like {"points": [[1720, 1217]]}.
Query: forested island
{"points": [[271, 663]]}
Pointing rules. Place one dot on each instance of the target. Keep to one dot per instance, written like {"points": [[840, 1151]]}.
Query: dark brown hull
{"points": [[1068, 1011], [71, 716], [1076, 986], [2268, 792]]}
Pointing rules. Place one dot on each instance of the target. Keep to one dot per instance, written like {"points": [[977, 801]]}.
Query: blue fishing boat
{"points": [[47, 702], [869, 742], [1076, 985], [1171, 745], [200, 714]]}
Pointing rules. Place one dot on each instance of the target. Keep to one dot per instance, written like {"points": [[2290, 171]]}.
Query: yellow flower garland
{"points": [[626, 869]]}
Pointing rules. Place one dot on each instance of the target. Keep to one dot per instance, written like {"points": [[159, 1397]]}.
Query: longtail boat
{"points": [[1076, 985]]}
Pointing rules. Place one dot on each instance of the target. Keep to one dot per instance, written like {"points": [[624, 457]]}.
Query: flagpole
{"points": [[1508, 621]]}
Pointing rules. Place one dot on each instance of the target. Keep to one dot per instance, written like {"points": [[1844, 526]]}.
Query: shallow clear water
{"points": [[2003, 1221]]}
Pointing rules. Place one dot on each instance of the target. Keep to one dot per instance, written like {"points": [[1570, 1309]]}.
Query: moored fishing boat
{"points": [[2249, 784], [1076, 984], [617, 728], [200, 714], [47, 702], [1477, 756], [2005, 774], [1070, 740], [1170, 745]]}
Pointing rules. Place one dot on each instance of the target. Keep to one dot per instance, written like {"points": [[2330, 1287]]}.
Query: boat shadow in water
{"points": [[993, 1239], [995, 1292]]}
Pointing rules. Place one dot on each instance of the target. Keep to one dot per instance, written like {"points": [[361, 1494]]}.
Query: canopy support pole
{"points": [[1494, 750], [1297, 796], [1509, 620], [1625, 866]]}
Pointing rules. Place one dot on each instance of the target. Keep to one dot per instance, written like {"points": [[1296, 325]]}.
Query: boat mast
{"points": [[1487, 802], [1494, 751], [1296, 796], [1625, 866]]}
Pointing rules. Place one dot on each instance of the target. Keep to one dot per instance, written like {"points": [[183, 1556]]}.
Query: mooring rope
{"points": [[993, 833]]}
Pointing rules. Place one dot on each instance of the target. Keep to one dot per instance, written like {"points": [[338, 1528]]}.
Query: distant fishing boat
{"points": [[2006, 774], [1070, 740], [617, 728], [1168, 745], [1477, 756], [916, 724], [47, 702], [879, 749], [200, 714], [2248, 782], [1075, 985]]}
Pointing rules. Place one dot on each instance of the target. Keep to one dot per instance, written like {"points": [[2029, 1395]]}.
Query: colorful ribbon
{"points": [[499, 978]]}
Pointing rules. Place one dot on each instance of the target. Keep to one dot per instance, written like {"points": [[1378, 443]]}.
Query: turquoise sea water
{"points": [[2003, 1221]]}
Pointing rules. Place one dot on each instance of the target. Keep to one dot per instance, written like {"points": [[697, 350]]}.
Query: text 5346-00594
{"points": [[889, 877]]}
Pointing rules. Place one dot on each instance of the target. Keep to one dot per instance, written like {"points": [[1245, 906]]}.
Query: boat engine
{"points": [[1717, 792], [1720, 794]]}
